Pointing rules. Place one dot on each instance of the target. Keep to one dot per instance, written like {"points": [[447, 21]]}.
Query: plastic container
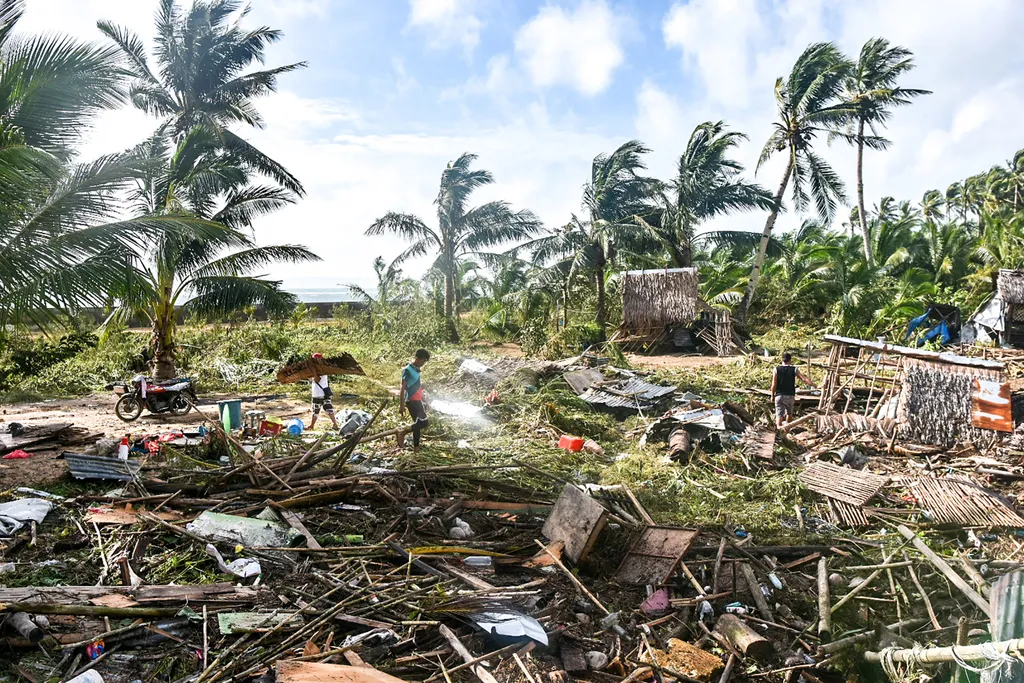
{"points": [[123, 448], [478, 562], [271, 428], [230, 413], [570, 443], [90, 676], [294, 426]]}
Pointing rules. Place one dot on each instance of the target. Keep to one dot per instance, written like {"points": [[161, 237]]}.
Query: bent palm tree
{"points": [[201, 81], [460, 230], [871, 93], [58, 250], [707, 184], [808, 105], [212, 273]]}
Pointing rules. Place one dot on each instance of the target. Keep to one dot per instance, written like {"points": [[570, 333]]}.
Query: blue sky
{"points": [[396, 88]]}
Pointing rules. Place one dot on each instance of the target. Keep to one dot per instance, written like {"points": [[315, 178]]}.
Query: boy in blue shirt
{"points": [[411, 398]]}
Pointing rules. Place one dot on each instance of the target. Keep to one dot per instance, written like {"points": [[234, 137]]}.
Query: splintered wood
{"points": [[960, 501], [576, 520], [655, 555], [842, 483]]}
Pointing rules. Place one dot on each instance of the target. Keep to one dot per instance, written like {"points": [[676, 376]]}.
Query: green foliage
{"points": [[116, 357]]}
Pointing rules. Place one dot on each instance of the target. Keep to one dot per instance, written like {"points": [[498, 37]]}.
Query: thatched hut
{"points": [[665, 304], [935, 398], [655, 299]]}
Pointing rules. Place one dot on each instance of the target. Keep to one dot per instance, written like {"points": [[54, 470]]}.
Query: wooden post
{"points": [[743, 638], [755, 591], [824, 601], [23, 624]]}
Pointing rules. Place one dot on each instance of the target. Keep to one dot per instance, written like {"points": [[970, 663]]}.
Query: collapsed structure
{"points": [[913, 394], [664, 305]]}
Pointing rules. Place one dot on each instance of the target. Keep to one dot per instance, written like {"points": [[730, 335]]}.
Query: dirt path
{"points": [[96, 415], [675, 361]]}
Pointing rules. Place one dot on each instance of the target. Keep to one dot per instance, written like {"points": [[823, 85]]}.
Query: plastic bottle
{"points": [[90, 676], [478, 562], [122, 450]]}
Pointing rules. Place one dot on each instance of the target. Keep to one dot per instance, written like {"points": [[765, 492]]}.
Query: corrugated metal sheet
{"points": [[96, 467], [632, 393], [991, 405]]}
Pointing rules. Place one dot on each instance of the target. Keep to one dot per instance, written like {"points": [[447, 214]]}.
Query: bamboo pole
{"points": [[936, 655], [924, 596], [824, 600], [945, 569], [755, 591], [573, 578]]}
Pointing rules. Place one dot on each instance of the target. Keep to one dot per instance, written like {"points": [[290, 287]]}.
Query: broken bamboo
{"points": [[945, 569], [824, 601], [743, 638]]}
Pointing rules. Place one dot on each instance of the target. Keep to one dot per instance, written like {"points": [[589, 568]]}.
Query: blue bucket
{"points": [[294, 426], [230, 413]]}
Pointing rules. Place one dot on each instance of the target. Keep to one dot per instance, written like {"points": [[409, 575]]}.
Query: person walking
{"points": [[411, 399], [322, 395], [784, 389]]}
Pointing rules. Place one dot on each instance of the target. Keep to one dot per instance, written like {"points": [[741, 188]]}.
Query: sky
{"points": [[395, 89]]}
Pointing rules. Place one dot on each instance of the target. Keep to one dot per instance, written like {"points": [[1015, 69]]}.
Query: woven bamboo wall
{"points": [[652, 299], [1011, 286], [935, 401]]}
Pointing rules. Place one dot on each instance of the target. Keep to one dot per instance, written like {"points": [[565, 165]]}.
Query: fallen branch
{"points": [[947, 571]]}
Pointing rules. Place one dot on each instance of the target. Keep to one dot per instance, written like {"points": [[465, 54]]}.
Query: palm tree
{"points": [[58, 247], [871, 92], [808, 105], [212, 273], [202, 80], [389, 283], [460, 230], [707, 184]]}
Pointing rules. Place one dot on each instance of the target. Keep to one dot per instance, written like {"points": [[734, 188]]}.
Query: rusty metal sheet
{"points": [[991, 405], [655, 555]]}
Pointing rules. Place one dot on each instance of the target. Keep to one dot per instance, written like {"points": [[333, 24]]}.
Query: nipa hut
{"points": [[665, 304], [930, 397], [1001, 319]]}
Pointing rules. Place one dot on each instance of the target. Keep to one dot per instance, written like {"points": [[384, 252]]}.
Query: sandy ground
{"points": [[675, 361], [96, 414]]}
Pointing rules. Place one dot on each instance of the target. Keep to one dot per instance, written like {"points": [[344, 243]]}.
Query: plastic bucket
{"points": [[230, 414], [294, 426]]}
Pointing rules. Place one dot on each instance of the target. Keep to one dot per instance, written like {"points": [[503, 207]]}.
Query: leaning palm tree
{"points": [[202, 77], [871, 92], [60, 245], [707, 184], [616, 196], [215, 273], [808, 105], [460, 230]]}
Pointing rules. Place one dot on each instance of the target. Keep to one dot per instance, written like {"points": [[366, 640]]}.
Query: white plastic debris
{"points": [[17, 513], [475, 367], [460, 530], [511, 625], [243, 567], [251, 532], [38, 494], [596, 660]]}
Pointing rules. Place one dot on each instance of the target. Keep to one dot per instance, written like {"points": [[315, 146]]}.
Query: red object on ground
{"points": [[270, 428], [17, 455], [570, 443]]}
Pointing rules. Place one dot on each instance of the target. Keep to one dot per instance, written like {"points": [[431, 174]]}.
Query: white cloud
{"points": [[716, 37], [580, 48], [446, 22]]}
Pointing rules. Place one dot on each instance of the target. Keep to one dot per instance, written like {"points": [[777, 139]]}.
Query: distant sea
{"points": [[324, 294]]}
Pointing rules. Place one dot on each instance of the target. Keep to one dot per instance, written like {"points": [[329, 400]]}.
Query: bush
{"points": [[117, 356]]}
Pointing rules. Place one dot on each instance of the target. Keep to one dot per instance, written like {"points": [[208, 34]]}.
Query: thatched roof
{"points": [[652, 299], [1010, 286], [344, 364]]}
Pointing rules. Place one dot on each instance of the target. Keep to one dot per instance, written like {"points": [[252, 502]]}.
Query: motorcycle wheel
{"points": [[128, 408], [181, 405]]}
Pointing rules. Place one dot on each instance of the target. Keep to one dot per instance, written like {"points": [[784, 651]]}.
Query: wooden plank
{"points": [[576, 521], [655, 555], [292, 671], [296, 523]]}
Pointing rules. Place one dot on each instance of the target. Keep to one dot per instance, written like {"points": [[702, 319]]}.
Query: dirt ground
{"points": [[678, 361], [95, 414]]}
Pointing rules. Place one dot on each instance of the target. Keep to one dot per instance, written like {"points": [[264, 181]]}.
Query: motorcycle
{"points": [[176, 396]]}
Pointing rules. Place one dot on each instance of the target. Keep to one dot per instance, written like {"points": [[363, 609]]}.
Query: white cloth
{"points": [[319, 385]]}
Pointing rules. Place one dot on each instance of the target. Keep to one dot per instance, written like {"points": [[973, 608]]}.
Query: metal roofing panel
{"points": [[96, 467]]}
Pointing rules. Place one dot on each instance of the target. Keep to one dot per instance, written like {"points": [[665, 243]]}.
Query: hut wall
{"points": [[935, 401], [652, 299], [1010, 286]]}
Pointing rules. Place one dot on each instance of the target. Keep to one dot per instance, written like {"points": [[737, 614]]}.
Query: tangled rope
{"points": [[908, 671]]}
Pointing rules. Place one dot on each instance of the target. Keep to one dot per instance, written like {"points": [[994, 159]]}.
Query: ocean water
{"points": [[324, 294]]}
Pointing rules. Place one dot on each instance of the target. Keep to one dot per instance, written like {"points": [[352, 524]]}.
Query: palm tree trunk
{"points": [[565, 303], [762, 250], [860, 194], [449, 301], [163, 339], [601, 303]]}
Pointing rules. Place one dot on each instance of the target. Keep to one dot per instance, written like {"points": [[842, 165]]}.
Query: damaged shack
{"points": [[663, 307], [913, 394]]}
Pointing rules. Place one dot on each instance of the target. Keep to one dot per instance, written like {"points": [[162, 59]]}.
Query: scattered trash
{"points": [[18, 513], [570, 443], [460, 530], [510, 627], [16, 455], [255, 532], [243, 568]]}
